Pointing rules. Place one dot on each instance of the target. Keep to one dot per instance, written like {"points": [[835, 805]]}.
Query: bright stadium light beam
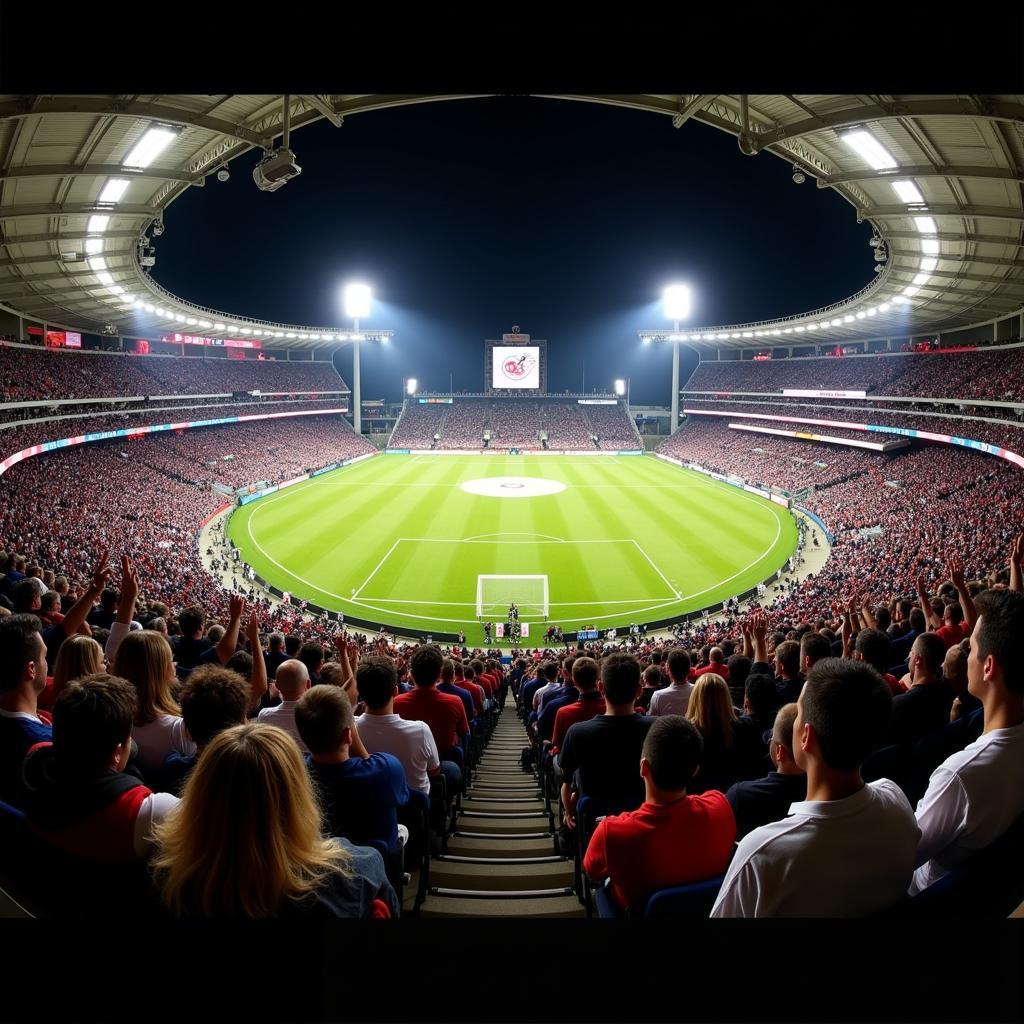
{"points": [[358, 298], [620, 387], [410, 386], [676, 299], [357, 301]]}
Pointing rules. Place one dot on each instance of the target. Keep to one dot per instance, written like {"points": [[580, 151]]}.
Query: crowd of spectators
{"points": [[995, 375], [39, 374], [612, 427], [417, 425]]}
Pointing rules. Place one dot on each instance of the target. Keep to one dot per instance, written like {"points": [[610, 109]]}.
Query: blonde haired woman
{"points": [[730, 752], [145, 659], [247, 840], [78, 656]]}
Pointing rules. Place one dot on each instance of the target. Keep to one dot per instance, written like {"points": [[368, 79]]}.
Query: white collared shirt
{"points": [[672, 700], [828, 858], [411, 742]]}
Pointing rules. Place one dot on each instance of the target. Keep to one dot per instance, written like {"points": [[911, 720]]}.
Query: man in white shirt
{"points": [[848, 849], [292, 681], [382, 731], [971, 801], [675, 698], [549, 670]]}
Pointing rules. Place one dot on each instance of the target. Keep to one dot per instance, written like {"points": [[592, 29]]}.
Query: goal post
{"points": [[494, 595]]}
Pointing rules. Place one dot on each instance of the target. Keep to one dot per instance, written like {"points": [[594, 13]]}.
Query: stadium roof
{"points": [[83, 178]]}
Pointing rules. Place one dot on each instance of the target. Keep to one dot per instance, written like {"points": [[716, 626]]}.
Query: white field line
{"points": [[377, 568], [679, 596]]}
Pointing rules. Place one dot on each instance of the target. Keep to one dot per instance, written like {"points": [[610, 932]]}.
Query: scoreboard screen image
{"points": [[515, 366]]}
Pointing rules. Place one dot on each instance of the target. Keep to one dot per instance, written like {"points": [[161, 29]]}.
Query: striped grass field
{"points": [[396, 539]]}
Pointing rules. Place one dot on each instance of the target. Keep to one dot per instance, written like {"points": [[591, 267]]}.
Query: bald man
{"points": [[292, 681]]}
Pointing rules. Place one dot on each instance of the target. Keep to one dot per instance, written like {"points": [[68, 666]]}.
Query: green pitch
{"points": [[396, 539]]}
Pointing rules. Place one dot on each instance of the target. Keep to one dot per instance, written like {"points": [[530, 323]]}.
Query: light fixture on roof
{"points": [[98, 223], [861, 314], [192, 321], [872, 311], [926, 225], [930, 246], [869, 149], [812, 327], [929, 265], [776, 331], [219, 327], [920, 279], [908, 192], [223, 174], [676, 300], [798, 175], [113, 190], [357, 298], [848, 319], [93, 245], [799, 329], [153, 142]]}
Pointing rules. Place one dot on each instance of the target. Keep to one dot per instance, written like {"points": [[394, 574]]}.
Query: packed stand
{"points": [[418, 425], [514, 424], [612, 426], [566, 426]]}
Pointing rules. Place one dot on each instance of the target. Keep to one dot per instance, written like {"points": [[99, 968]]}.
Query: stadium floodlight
{"points": [[869, 149], [219, 327], [113, 190], [676, 298], [150, 146], [812, 327], [907, 191], [357, 300], [410, 386], [620, 386]]}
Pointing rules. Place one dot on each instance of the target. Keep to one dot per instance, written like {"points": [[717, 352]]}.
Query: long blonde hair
{"points": [[247, 834], [710, 709], [145, 659], [78, 656]]}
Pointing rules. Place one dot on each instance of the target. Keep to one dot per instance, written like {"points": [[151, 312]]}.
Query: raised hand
{"points": [[101, 572], [1017, 550], [236, 606], [252, 629], [956, 572]]}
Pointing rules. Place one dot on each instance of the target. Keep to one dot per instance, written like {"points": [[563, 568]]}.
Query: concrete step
{"points": [[506, 845], [504, 794], [438, 905], [502, 806], [494, 825], [494, 874]]}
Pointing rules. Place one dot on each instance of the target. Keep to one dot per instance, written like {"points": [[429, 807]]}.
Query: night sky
{"points": [[467, 217]]}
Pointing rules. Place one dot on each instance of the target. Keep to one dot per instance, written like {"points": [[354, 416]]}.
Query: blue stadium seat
{"points": [[694, 900]]}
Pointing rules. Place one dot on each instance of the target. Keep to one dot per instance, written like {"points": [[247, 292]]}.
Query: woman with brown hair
{"points": [[247, 840], [78, 656], [728, 744], [145, 659]]}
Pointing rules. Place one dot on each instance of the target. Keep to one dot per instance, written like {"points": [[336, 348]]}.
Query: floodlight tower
{"points": [[676, 299], [358, 298]]}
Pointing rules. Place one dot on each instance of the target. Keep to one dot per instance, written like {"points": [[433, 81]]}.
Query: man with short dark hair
{"points": [[360, 794], [674, 698], [924, 707], [848, 849], [276, 654], [212, 700], [602, 754], [77, 794], [104, 616], [587, 705], [311, 655], [875, 648], [974, 796], [380, 729], [672, 839], [759, 801], [813, 647], [424, 703], [786, 670]]}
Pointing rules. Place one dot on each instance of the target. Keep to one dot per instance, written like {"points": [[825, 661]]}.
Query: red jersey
{"points": [[588, 706], [443, 712], [656, 847]]}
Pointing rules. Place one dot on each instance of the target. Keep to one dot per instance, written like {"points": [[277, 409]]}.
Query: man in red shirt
{"points": [[475, 689], [672, 839], [588, 704], [443, 713], [483, 677], [716, 664]]}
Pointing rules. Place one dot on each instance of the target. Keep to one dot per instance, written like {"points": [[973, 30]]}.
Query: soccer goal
{"points": [[494, 595]]}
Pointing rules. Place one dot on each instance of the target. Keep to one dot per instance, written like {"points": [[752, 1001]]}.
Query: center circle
{"points": [[512, 486]]}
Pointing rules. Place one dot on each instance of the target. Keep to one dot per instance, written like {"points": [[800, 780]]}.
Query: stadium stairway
{"points": [[501, 859]]}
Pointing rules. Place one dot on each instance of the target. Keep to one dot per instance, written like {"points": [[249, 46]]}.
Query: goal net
{"points": [[494, 595]]}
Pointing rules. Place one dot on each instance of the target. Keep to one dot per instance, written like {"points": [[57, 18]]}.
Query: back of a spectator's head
{"points": [[883, 617], [932, 652], [50, 601], [215, 633], [447, 671], [332, 674], [25, 597], [567, 666], [213, 698], [875, 648], [425, 664], [814, 647], [998, 636], [60, 584], [954, 614], [739, 670], [191, 621], [241, 662], [918, 623], [292, 643], [679, 665], [761, 695], [322, 716], [728, 649], [782, 731], [652, 678], [276, 641], [376, 680], [549, 670], [620, 679], [656, 658], [292, 679], [78, 656], [477, 666], [787, 656], [145, 659], [846, 705], [715, 655], [311, 654], [672, 750], [584, 674], [22, 652], [91, 719], [109, 599]]}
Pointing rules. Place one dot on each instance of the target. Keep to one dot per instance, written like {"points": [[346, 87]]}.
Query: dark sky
{"points": [[470, 216]]}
